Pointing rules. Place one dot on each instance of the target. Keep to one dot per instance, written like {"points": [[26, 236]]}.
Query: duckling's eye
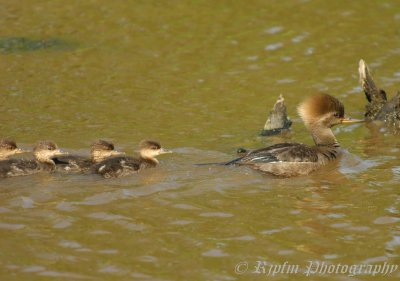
{"points": [[154, 148], [336, 114]]}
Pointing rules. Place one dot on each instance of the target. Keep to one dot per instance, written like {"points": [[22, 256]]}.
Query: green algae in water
{"points": [[22, 44]]}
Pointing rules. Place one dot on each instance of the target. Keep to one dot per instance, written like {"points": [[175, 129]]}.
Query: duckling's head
{"points": [[102, 150], [150, 149], [9, 148], [323, 111], [44, 151]]}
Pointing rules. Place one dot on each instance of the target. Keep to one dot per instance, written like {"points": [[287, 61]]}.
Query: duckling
{"points": [[9, 148], [122, 166], [44, 151], [100, 151]]}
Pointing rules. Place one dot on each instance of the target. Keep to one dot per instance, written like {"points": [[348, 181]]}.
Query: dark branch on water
{"points": [[378, 107], [277, 120], [23, 44]]}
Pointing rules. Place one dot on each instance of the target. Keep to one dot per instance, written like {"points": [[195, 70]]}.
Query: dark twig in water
{"points": [[22, 44], [277, 120], [378, 107]]}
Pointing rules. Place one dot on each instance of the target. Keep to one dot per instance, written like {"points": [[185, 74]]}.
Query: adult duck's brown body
{"points": [[319, 114]]}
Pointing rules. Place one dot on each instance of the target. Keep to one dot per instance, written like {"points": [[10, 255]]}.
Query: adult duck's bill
{"points": [[351, 121]]}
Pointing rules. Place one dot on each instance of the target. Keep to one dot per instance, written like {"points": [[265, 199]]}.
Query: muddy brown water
{"points": [[200, 77]]}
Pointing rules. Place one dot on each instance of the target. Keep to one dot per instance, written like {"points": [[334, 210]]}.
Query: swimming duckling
{"points": [[122, 166], [319, 114], [9, 148], [100, 151], [44, 151]]}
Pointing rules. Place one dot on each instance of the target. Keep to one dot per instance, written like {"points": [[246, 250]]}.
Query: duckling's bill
{"points": [[59, 152], [163, 151], [19, 151]]}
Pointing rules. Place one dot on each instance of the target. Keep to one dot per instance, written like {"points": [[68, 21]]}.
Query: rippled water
{"points": [[200, 77]]}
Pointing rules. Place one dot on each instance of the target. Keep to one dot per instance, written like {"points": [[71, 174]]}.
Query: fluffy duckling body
{"points": [[319, 114], [100, 151], [44, 151], [123, 166]]}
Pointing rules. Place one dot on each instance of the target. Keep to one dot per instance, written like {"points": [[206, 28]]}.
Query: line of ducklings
{"points": [[319, 114], [104, 159]]}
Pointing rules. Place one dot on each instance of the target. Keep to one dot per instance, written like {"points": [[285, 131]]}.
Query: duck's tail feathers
{"points": [[232, 162]]}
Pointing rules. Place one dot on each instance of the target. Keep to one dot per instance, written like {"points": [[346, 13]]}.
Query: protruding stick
{"points": [[375, 96], [372, 92], [277, 119]]}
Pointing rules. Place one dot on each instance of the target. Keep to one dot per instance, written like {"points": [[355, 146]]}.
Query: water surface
{"points": [[200, 77]]}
